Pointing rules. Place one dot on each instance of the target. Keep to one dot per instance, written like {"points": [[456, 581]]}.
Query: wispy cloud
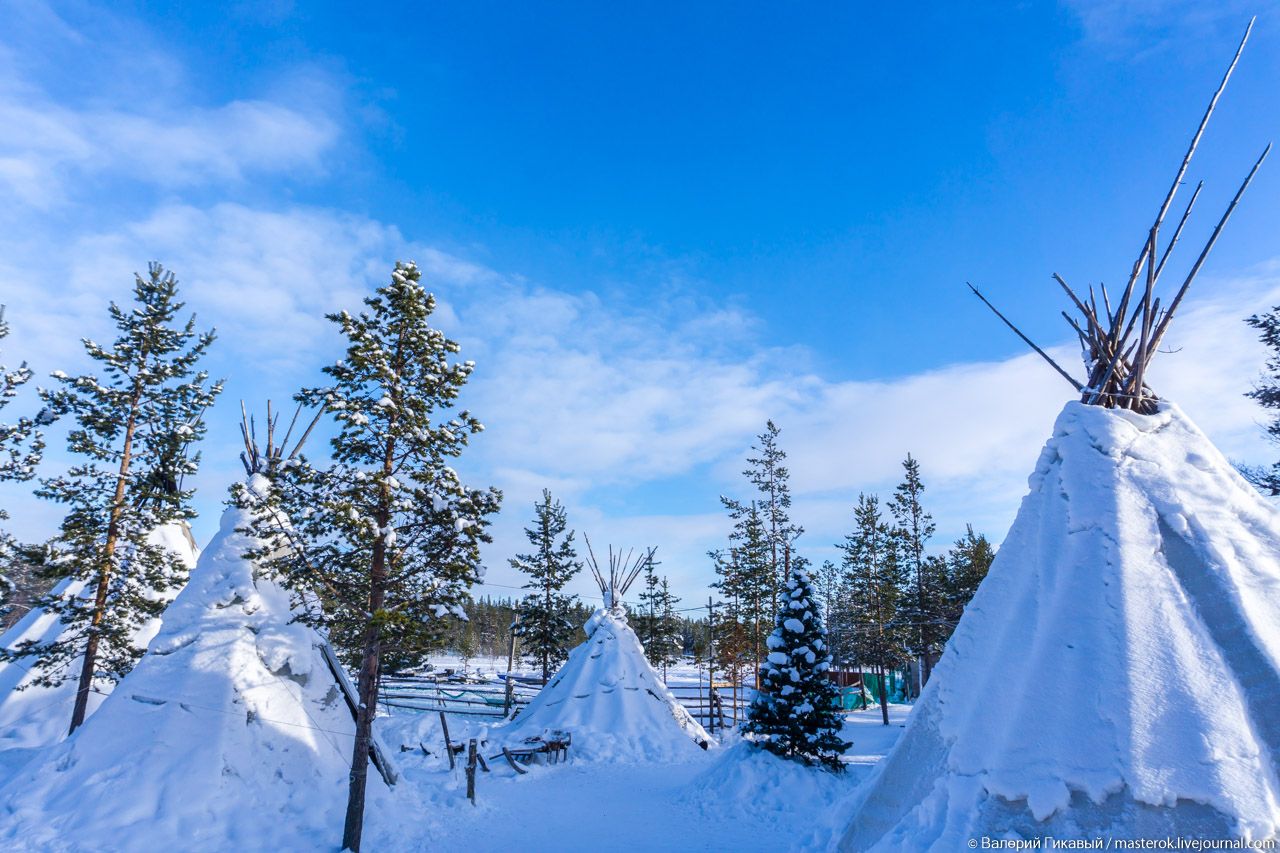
{"points": [[55, 147]]}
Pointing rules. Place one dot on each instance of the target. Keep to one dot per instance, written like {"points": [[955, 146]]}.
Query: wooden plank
{"points": [[348, 692], [512, 761]]}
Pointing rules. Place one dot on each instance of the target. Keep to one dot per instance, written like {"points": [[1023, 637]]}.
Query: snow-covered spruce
{"points": [[794, 713]]}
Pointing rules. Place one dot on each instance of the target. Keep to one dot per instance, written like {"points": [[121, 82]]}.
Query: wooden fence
{"points": [[429, 693]]}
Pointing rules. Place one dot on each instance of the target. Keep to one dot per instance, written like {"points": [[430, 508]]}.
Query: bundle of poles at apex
{"points": [[623, 572], [265, 460], [1118, 344]]}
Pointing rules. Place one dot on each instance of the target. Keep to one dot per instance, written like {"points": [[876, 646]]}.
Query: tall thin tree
{"points": [[139, 416], [385, 540], [874, 579], [913, 527], [546, 614]]}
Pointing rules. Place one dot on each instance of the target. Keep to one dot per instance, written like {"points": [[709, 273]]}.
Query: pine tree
{"points": [[21, 448], [385, 540], [768, 473], [547, 629], [746, 576], [967, 564], [874, 582], [829, 590], [794, 714], [126, 420], [645, 620], [1267, 393], [924, 604], [667, 642]]}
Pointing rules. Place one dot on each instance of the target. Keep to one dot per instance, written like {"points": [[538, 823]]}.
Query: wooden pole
{"points": [[471, 771], [1067, 376]]}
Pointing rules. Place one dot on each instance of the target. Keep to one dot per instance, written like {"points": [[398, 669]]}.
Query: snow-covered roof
{"points": [[611, 699], [1119, 669]]}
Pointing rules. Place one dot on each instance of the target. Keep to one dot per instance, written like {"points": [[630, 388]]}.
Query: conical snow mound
{"points": [[33, 716], [229, 734], [1118, 672], [611, 700]]}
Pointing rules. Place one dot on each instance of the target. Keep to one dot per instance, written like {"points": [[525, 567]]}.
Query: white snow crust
{"points": [[229, 734], [1118, 672], [612, 701], [32, 716]]}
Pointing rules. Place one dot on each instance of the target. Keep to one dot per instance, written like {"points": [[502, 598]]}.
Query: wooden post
{"points": [[511, 662], [448, 745], [711, 654], [471, 771]]}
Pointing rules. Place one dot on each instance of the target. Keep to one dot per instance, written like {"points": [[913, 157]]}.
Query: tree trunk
{"points": [[884, 695], [369, 666], [89, 664]]}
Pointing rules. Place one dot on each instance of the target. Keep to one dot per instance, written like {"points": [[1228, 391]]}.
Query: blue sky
{"points": [[652, 226]]}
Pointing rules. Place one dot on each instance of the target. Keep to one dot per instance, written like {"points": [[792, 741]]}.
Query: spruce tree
{"points": [[547, 629], [126, 419], [386, 538], [874, 583], [923, 606], [1267, 393], [21, 448], [794, 714]]}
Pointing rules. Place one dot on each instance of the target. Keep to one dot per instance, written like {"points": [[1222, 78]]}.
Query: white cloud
{"points": [[137, 118], [626, 412]]}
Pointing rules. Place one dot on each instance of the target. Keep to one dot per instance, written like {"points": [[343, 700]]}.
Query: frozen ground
{"points": [[728, 798]]}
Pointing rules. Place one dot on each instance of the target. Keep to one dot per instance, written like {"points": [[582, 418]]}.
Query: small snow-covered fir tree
{"points": [[794, 714], [21, 446], [546, 624], [385, 540]]}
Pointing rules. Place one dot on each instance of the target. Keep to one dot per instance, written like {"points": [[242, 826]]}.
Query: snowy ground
{"points": [[728, 798]]}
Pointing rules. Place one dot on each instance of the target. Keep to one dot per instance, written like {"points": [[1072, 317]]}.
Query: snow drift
{"points": [[612, 701], [33, 716], [1118, 672], [230, 733]]}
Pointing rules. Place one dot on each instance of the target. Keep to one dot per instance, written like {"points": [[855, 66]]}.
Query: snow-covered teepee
{"points": [[34, 715], [232, 732], [1118, 672], [606, 694]]}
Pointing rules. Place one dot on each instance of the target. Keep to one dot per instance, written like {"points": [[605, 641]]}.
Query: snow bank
{"points": [[229, 734], [611, 699], [32, 717], [747, 779], [1118, 670]]}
